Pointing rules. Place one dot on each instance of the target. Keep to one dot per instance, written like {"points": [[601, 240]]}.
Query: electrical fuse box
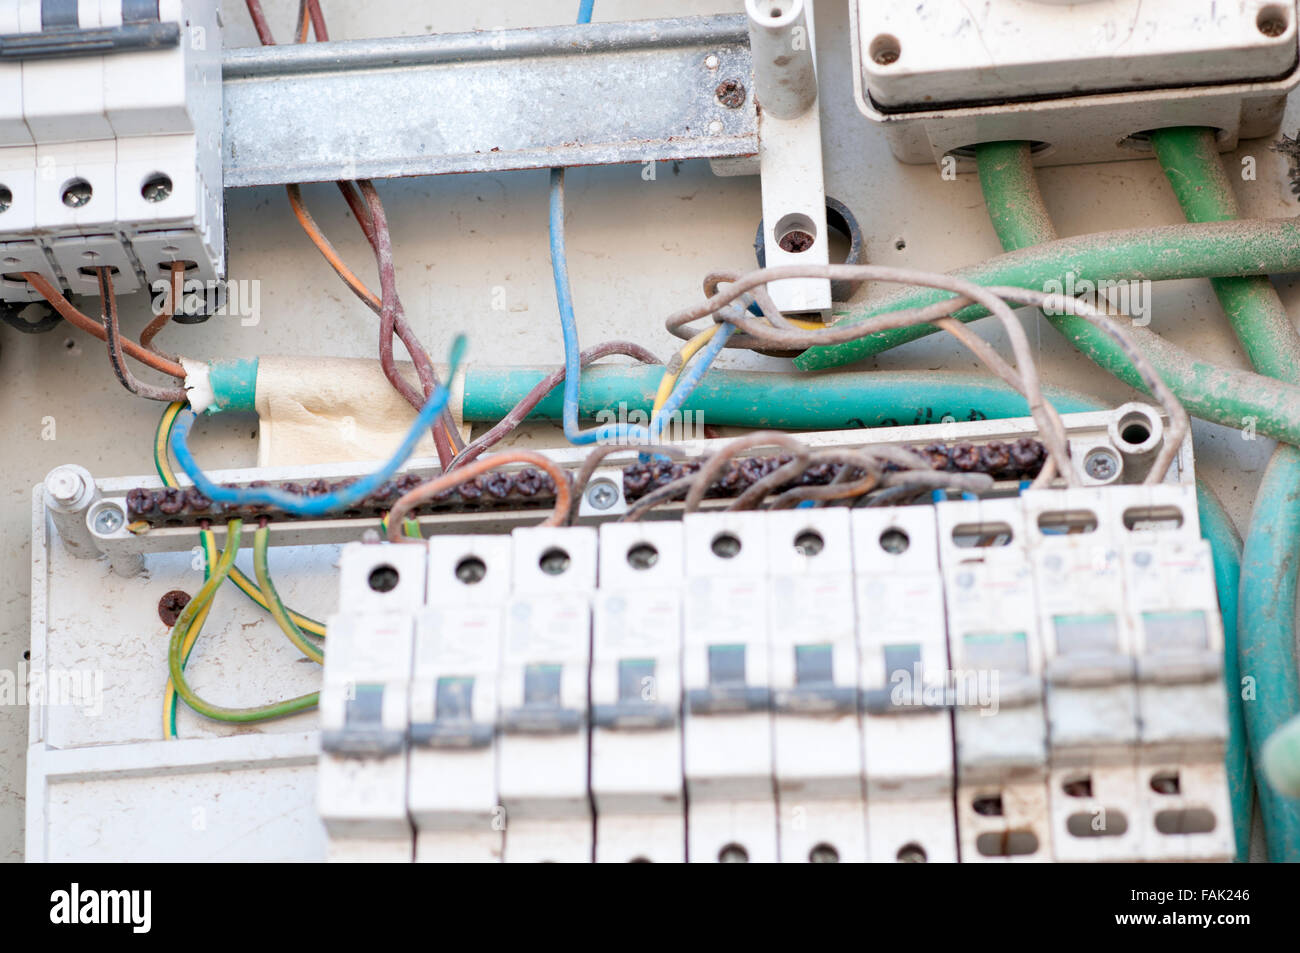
{"points": [[542, 756], [1091, 695], [361, 781], [813, 658], [452, 792], [727, 728], [903, 653], [636, 694], [1000, 729], [110, 137], [1173, 609]]}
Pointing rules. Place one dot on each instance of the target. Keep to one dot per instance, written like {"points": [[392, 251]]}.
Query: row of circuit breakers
{"points": [[110, 143], [1027, 678]]}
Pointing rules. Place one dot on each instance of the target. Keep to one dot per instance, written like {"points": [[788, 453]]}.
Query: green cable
{"points": [[205, 594], [1020, 218], [261, 540], [1190, 159], [1223, 395], [1159, 253], [1225, 547], [1282, 758]]}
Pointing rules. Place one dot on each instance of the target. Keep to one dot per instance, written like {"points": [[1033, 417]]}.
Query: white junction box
{"points": [[636, 694], [452, 792], [1081, 81], [110, 144], [727, 731], [997, 675], [812, 647], [542, 758], [906, 716], [361, 784]]}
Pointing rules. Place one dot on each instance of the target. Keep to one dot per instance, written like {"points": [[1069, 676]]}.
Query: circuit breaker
{"points": [[1173, 609], [812, 647], [906, 714], [636, 694], [542, 751], [110, 143], [1089, 670], [997, 673], [362, 774], [453, 796], [727, 731]]}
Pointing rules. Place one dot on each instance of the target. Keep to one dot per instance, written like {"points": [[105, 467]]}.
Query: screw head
{"points": [[108, 520], [712, 61], [77, 193], [171, 604], [1101, 464], [157, 189], [730, 93], [823, 854], [602, 494]]}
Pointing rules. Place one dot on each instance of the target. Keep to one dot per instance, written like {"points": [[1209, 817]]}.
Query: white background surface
{"points": [[637, 250]]}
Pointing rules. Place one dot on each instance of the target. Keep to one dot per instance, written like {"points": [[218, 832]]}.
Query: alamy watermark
{"points": [[54, 687], [240, 298], [1106, 295], [672, 427]]}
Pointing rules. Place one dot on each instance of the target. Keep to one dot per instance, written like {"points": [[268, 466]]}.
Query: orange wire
{"points": [[405, 504], [91, 326]]}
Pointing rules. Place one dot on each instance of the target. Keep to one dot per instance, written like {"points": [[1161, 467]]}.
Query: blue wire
{"points": [[690, 377], [327, 502], [584, 10]]}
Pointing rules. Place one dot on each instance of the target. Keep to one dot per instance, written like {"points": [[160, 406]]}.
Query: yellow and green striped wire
{"points": [[293, 624]]}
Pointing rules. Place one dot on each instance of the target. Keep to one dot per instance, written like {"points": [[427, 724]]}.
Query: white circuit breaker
{"points": [[361, 779], [542, 749], [636, 695], [453, 797], [110, 142], [906, 716], [1091, 695], [727, 737], [1173, 610], [1001, 733], [813, 664]]}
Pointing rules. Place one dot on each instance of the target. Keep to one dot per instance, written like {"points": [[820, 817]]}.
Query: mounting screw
{"points": [[157, 189], [77, 193], [171, 604], [602, 494], [108, 520], [730, 93], [1101, 464]]}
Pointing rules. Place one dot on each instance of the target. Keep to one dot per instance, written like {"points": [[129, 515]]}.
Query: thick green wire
{"points": [[1020, 219], [261, 540], [180, 630], [1190, 159]]}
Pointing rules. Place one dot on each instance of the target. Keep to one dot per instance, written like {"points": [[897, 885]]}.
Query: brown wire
{"points": [[259, 22], [521, 410], [409, 501], [113, 336], [168, 312], [91, 326]]}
